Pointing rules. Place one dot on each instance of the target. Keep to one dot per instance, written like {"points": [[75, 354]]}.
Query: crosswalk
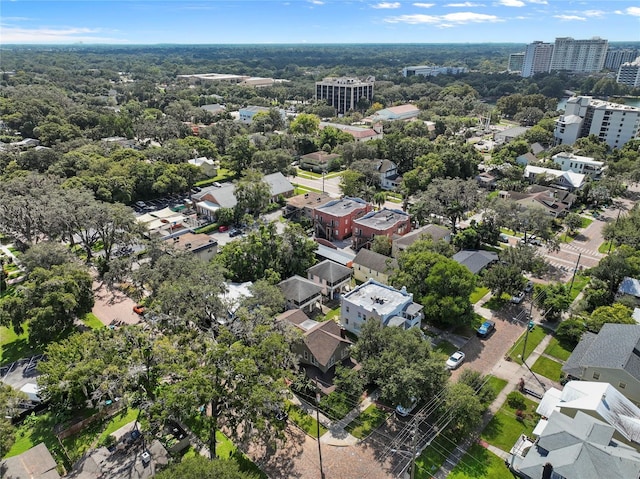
{"points": [[587, 251]]}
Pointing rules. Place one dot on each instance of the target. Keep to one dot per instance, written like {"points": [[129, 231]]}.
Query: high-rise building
{"points": [[537, 58], [629, 73], [613, 123], [578, 56], [432, 70], [615, 58], [516, 60], [344, 93]]}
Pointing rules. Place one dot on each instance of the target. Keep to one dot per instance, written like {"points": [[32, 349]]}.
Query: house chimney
{"points": [[547, 471]]}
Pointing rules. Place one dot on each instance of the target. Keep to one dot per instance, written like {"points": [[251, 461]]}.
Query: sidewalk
{"points": [[337, 435], [512, 372]]}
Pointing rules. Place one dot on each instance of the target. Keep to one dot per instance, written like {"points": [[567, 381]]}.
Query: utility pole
{"points": [[575, 270], [323, 173], [318, 424]]}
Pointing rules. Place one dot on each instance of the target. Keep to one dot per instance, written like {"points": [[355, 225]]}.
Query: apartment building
{"points": [[537, 58], [616, 57], [516, 62], [613, 123], [344, 93], [432, 70], [579, 164], [373, 300], [578, 56], [384, 222], [334, 220], [629, 73]]}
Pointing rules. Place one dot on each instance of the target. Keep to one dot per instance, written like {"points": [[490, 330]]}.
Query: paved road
{"points": [[113, 305]]}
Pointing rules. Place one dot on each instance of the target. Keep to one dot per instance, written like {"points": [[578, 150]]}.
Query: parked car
{"points": [[405, 411], [223, 228], [503, 238], [138, 309], [486, 328], [529, 287], [455, 360], [517, 298], [235, 232]]}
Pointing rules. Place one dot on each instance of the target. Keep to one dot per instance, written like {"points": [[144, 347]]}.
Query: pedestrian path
{"points": [[575, 245], [337, 434], [512, 372]]}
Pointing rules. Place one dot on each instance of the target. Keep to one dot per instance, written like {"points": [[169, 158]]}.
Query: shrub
{"points": [[208, 229], [515, 400]]}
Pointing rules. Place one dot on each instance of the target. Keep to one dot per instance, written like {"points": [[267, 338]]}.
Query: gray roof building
{"points": [[375, 261], [35, 463], [630, 286], [330, 271], [300, 292], [475, 260], [278, 184], [575, 448], [435, 232]]}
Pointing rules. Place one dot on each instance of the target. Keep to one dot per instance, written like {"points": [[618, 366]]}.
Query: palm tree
{"points": [[379, 198]]}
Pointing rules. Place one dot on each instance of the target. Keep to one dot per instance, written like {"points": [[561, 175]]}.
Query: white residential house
{"points": [[207, 166], [375, 300], [579, 164], [389, 177], [565, 179]]}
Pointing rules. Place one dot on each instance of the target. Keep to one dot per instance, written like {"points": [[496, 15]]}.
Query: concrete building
{"points": [[373, 300], [201, 245], [516, 62], [629, 73], [384, 222], [394, 113], [360, 134], [613, 123], [302, 206], [616, 57], [432, 70], [248, 112], [344, 93], [578, 56], [333, 221], [579, 164], [537, 58]]}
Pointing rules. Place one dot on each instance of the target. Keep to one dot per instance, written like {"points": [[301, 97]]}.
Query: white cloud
{"points": [[539, 2], [12, 34], [512, 3], [464, 5], [387, 5], [423, 5], [570, 18], [449, 20], [593, 13], [316, 2], [635, 11]]}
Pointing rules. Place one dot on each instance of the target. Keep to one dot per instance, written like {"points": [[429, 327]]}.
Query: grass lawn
{"points": [[578, 285], [304, 421], [511, 232], [37, 429], [446, 348], [497, 384], [548, 368], [14, 346], [557, 350], [92, 321], [298, 189], [505, 428], [223, 174], [565, 238], [479, 462], [367, 422], [478, 294], [585, 222], [225, 449], [333, 314], [433, 457], [534, 338], [495, 303], [604, 247]]}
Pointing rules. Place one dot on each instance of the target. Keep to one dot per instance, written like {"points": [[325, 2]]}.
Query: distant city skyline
{"points": [[314, 21]]}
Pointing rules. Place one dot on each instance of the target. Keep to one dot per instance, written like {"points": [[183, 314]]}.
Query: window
{"points": [[622, 385], [596, 375], [306, 356], [359, 315], [331, 361], [346, 320], [346, 309]]}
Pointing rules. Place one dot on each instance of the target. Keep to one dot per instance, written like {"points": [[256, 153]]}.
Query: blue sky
{"points": [[315, 21]]}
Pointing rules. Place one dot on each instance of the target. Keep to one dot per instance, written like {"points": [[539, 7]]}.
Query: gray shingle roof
{"points": [[299, 289], [329, 271], [617, 346], [278, 184], [35, 463], [434, 231], [630, 286], [475, 260], [375, 261], [580, 448]]}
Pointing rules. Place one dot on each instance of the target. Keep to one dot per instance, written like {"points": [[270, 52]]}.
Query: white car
{"points": [[455, 360]]}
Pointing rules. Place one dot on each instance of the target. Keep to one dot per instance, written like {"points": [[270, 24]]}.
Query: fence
{"points": [[106, 412]]}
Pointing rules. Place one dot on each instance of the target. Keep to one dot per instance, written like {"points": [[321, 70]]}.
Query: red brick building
{"points": [[333, 221], [384, 222]]}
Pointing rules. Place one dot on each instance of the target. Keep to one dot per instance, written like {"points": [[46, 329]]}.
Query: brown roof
{"points": [[295, 316], [309, 199], [321, 156], [193, 241], [323, 340], [36, 463]]}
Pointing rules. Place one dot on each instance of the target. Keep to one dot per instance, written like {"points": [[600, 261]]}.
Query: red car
{"points": [[223, 228], [138, 309]]}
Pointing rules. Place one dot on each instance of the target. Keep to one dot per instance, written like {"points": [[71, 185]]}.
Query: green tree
{"points": [[198, 467], [240, 152], [9, 399], [252, 194], [381, 244], [553, 300], [503, 278], [352, 183], [305, 124], [616, 313], [463, 407], [573, 221]]}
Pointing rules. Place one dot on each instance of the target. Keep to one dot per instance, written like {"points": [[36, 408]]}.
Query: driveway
{"points": [[113, 305]]}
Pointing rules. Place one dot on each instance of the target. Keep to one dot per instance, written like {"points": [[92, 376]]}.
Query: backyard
{"points": [[557, 350], [478, 463], [506, 426]]}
